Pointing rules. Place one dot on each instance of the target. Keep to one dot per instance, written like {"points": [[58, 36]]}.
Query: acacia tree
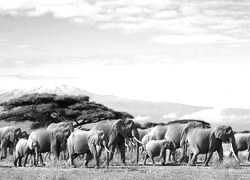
{"points": [[43, 109]]}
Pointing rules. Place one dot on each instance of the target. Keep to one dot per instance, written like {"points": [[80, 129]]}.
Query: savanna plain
{"points": [[229, 169]]}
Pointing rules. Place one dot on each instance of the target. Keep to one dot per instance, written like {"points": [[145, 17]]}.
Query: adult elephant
{"points": [[206, 141], [9, 136], [175, 132], [85, 142], [66, 124], [242, 143], [51, 140], [115, 134]]}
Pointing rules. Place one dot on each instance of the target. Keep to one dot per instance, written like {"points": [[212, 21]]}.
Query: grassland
{"points": [[229, 169]]}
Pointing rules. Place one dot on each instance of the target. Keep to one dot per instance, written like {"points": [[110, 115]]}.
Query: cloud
{"points": [[35, 77], [23, 46], [198, 39], [220, 115], [184, 21], [170, 116], [142, 118]]}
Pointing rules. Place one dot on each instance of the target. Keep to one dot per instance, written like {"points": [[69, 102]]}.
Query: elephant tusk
{"points": [[107, 149], [137, 140], [132, 143], [126, 144], [237, 159]]}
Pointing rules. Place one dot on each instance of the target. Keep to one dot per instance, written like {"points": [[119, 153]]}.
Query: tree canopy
{"points": [[180, 121], [43, 109]]}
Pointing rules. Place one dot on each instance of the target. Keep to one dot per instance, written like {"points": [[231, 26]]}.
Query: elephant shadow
{"points": [[5, 166]]}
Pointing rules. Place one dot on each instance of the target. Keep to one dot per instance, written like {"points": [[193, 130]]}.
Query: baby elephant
{"points": [[158, 148], [24, 147]]}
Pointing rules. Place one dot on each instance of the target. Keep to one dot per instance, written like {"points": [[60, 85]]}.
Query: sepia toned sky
{"points": [[194, 52]]}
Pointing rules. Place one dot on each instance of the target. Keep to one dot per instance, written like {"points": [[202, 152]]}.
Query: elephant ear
{"points": [[96, 137], [9, 134], [66, 133], [119, 128], [220, 134]]}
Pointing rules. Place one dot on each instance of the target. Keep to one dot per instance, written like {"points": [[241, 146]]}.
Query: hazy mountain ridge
{"points": [[144, 110]]}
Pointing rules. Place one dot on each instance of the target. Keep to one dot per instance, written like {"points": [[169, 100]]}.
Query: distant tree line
{"points": [[179, 121], [43, 109]]}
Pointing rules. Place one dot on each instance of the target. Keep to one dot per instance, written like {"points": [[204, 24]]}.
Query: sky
{"points": [[192, 52]]}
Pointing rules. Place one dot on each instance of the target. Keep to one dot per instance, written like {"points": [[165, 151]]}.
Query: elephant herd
{"points": [[107, 136]]}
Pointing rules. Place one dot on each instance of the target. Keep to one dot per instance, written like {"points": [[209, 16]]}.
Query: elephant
{"points": [[242, 143], [158, 148], [156, 133], [131, 144], [24, 135], [115, 134], [81, 142], [9, 136], [51, 140], [24, 147], [206, 141], [66, 124], [175, 132]]}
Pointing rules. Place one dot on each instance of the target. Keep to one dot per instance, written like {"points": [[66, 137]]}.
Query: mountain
{"points": [[144, 111]]}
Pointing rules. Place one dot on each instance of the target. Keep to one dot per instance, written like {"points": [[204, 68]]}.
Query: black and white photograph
{"points": [[124, 89]]}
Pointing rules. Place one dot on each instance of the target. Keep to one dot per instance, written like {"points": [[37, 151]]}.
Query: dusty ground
{"points": [[61, 171]]}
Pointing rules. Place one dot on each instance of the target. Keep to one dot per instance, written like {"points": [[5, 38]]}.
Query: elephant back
{"points": [[187, 127], [43, 136], [158, 132]]}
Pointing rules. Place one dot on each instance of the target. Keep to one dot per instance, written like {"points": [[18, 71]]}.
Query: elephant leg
{"points": [[34, 159], [173, 156], [71, 159], [4, 150], [209, 155], [153, 161], [20, 161], [93, 151], [112, 148], [190, 157], [169, 155], [99, 151], [25, 159], [88, 158], [122, 151], [15, 161], [145, 158], [41, 159], [163, 157], [220, 152], [193, 160], [11, 148]]}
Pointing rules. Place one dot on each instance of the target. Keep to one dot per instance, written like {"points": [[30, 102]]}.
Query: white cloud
{"points": [[23, 46], [170, 116], [199, 39], [142, 118], [215, 115], [172, 17]]}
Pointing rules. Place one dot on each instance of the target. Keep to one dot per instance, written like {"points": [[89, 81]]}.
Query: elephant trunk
{"points": [[234, 148], [135, 135]]}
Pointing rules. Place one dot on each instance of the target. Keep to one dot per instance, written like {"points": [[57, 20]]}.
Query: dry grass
{"points": [[229, 169]]}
